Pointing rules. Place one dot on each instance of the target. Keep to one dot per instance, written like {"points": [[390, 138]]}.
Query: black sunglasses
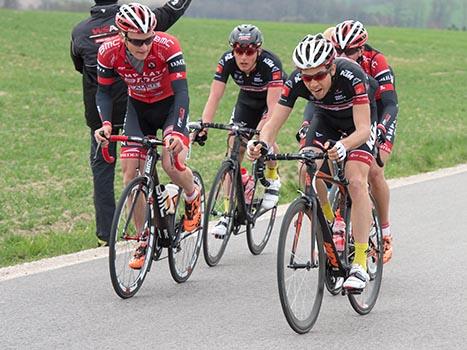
{"points": [[141, 42], [347, 52]]}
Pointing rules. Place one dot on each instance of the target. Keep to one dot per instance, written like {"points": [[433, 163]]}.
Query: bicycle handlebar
{"points": [[230, 127], [147, 142]]}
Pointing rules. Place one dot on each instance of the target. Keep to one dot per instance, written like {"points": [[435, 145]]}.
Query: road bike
{"points": [[149, 217], [307, 257]]}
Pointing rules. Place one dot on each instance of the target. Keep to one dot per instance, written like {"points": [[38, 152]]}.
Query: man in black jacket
{"points": [[86, 38]]}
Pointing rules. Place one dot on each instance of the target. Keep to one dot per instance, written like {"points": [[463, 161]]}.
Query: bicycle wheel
{"points": [[132, 232], [256, 235], [184, 251], [221, 204], [300, 267], [364, 302]]}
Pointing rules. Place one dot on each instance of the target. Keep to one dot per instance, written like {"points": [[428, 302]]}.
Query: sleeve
{"points": [[223, 68], [276, 74], [381, 71], [177, 73], [75, 57], [290, 89], [168, 14], [390, 107], [359, 87], [106, 77]]}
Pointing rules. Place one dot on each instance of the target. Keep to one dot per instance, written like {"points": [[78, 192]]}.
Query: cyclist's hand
{"points": [[301, 133], [381, 133], [255, 149], [200, 136], [106, 129], [173, 143], [338, 152]]}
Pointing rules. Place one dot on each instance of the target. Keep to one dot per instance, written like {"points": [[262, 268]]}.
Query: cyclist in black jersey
{"points": [[258, 73], [344, 107]]}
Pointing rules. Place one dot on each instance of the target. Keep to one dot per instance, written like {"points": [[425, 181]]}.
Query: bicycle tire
{"points": [[363, 303], [184, 252], [289, 262], [125, 237], [214, 248], [257, 239]]}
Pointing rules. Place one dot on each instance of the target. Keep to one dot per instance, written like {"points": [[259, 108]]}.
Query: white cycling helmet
{"points": [[313, 51], [349, 35], [135, 18]]}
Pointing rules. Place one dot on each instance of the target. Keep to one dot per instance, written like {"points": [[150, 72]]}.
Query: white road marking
{"points": [[57, 262]]}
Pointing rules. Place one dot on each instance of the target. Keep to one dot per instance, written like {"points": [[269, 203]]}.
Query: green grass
{"points": [[45, 181]]}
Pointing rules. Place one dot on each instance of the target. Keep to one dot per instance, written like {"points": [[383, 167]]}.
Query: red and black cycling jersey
{"points": [[163, 75], [267, 73], [350, 86]]}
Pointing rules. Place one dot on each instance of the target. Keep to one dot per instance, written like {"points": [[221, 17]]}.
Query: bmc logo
{"points": [[180, 62], [107, 45]]}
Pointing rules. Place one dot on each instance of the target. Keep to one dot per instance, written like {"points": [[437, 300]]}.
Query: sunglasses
{"points": [[347, 52], [141, 42], [316, 77], [249, 51]]}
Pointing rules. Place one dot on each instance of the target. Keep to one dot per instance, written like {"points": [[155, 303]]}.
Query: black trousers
{"points": [[103, 175]]}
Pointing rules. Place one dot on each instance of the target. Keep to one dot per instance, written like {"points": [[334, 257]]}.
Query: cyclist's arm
{"points": [[278, 117], [76, 58], [274, 93], [168, 14], [215, 95], [106, 77], [390, 107], [362, 121]]}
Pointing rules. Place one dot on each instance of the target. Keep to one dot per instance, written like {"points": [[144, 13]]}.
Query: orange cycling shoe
{"points": [[387, 243], [192, 218], [139, 256]]}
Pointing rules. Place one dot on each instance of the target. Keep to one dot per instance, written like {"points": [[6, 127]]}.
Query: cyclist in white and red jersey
{"points": [[259, 75], [152, 65], [343, 100], [350, 40]]}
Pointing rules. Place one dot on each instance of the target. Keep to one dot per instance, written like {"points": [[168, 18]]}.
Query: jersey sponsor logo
{"points": [[347, 74], [219, 68], [164, 41], [181, 117], [269, 62], [107, 45], [356, 80], [228, 57], [359, 89], [285, 91], [297, 78], [257, 79], [180, 62], [151, 65]]}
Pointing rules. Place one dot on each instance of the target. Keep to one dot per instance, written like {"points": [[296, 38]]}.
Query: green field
{"points": [[45, 181]]}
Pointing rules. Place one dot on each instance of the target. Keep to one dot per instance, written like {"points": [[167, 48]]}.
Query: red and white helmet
{"points": [[349, 35], [135, 18]]}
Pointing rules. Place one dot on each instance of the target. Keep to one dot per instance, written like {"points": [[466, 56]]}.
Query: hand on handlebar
{"points": [[103, 133], [337, 152], [255, 149]]}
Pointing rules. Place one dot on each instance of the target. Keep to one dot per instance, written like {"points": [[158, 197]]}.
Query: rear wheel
{"points": [[184, 250], [221, 205], [300, 267], [256, 234], [364, 302], [132, 234]]}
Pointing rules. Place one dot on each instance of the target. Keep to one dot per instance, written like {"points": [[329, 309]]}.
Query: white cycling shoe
{"points": [[358, 278], [220, 230], [271, 194]]}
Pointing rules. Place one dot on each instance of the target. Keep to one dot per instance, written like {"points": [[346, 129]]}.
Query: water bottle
{"points": [[248, 185], [338, 232]]}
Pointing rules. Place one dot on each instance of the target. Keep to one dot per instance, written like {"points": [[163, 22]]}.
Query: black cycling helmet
{"points": [[245, 35]]}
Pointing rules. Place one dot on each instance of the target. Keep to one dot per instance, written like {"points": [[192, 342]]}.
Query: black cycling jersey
{"points": [[86, 38], [350, 85]]}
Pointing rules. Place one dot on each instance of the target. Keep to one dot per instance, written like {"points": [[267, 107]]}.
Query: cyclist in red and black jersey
{"points": [[350, 40], [342, 96], [258, 72], [152, 65]]}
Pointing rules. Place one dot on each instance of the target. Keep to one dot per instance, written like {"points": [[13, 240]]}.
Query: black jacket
{"points": [[85, 41]]}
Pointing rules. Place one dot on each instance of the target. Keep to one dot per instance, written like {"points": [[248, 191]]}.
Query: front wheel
{"points": [[300, 267], [259, 230], [184, 250], [220, 211], [132, 235]]}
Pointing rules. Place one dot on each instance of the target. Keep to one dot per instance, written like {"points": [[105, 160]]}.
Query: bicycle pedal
{"points": [[353, 291]]}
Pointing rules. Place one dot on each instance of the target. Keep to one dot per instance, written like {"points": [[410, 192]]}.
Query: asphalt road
{"points": [[422, 304]]}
